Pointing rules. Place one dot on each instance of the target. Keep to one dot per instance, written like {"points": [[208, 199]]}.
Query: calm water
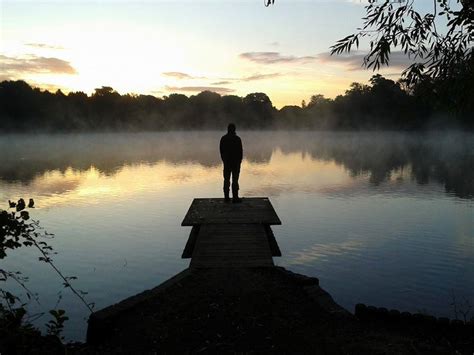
{"points": [[381, 218]]}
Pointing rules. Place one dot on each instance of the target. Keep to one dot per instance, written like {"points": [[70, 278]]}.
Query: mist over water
{"points": [[382, 218]]}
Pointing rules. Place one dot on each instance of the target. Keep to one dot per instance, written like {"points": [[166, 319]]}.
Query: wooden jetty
{"points": [[224, 236], [233, 299], [231, 279], [228, 234]]}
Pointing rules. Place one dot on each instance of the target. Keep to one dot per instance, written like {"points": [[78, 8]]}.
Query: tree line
{"points": [[380, 104]]}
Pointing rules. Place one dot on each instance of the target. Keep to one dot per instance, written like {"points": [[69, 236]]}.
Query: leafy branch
{"points": [[461, 308], [17, 230], [397, 24]]}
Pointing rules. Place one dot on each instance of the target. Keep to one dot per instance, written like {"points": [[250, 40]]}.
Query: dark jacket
{"points": [[231, 148]]}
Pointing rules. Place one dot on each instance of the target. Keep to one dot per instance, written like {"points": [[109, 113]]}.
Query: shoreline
{"points": [[268, 310]]}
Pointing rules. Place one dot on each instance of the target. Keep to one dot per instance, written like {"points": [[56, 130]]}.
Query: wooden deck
{"points": [[216, 210], [231, 235]]}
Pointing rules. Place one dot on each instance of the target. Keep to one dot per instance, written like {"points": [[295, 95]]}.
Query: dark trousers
{"points": [[234, 170]]}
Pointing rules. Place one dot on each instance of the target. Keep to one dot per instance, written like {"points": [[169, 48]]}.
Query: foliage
{"points": [[56, 325], [384, 104], [440, 43], [17, 230], [462, 309], [23, 108], [389, 25], [268, 2]]}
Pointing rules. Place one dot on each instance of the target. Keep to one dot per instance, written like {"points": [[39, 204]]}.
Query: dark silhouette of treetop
{"points": [[380, 104], [105, 91]]}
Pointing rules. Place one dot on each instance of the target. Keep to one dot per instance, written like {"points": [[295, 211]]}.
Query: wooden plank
{"points": [[275, 249], [217, 211], [188, 249], [236, 245]]}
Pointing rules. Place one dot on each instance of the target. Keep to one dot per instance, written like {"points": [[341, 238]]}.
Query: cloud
{"points": [[354, 60], [181, 75], [217, 89], [261, 76], [258, 76], [273, 58], [15, 67], [224, 82], [43, 45], [157, 92], [177, 75]]}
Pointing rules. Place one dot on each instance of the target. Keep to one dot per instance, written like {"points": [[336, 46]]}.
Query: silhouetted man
{"points": [[231, 154]]}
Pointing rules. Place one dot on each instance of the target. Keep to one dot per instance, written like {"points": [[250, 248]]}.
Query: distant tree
{"points": [[320, 112], [105, 103], [104, 91], [357, 89], [382, 104], [205, 106], [318, 100], [232, 105], [59, 93], [291, 116], [259, 108]]}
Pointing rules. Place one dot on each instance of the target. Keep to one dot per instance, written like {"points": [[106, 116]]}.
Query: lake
{"points": [[381, 218]]}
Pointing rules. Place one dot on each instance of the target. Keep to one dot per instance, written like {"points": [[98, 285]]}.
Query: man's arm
{"points": [[241, 151], [221, 149]]}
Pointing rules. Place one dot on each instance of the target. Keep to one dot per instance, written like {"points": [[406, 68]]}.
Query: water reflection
{"points": [[370, 214], [58, 163]]}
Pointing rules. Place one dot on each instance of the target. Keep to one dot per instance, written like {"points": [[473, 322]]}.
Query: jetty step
{"points": [[227, 234], [232, 245]]}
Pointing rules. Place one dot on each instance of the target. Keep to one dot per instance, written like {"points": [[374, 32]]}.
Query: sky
{"points": [[162, 47]]}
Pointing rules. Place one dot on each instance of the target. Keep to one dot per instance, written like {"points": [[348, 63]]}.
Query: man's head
{"points": [[231, 128]]}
